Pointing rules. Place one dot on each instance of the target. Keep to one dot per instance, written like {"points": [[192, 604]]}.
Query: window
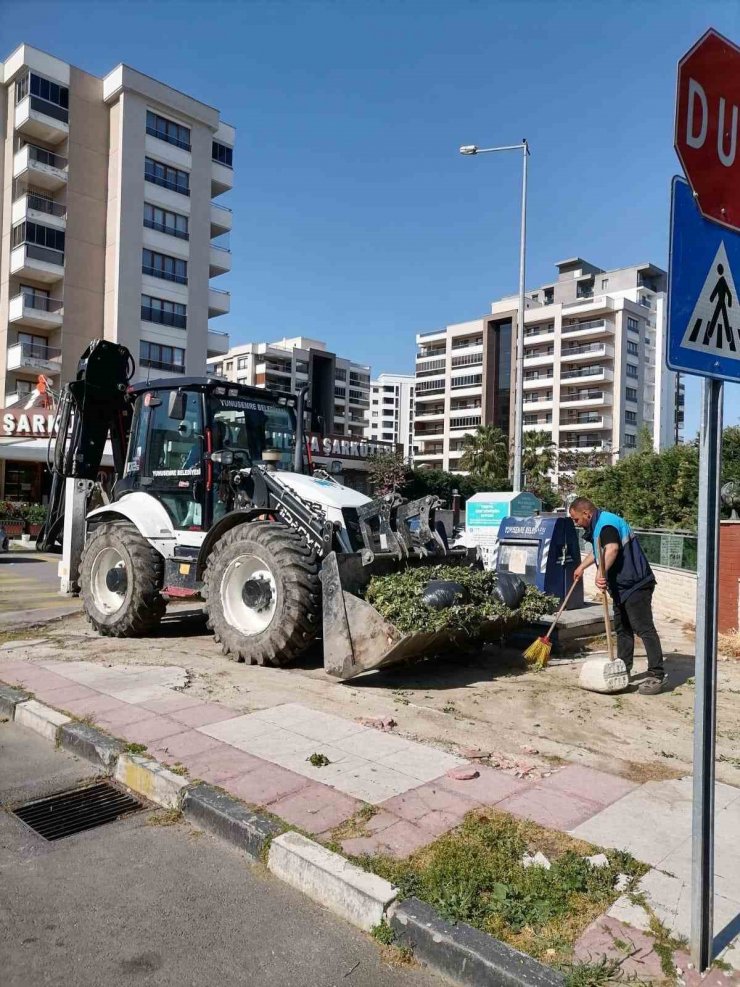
{"points": [[632, 324], [604, 283], [631, 370], [167, 130], [46, 96], [163, 312], [632, 347], [433, 367], [630, 417], [631, 394], [165, 175], [340, 392], [301, 366], [466, 360], [469, 380], [358, 378], [535, 296], [630, 441], [467, 421], [388, 436], [165, 221], [340, 374], [43, 236], [357, 397], [223, 154], [375, 414], [242, 363], [160, 357], [161, 266]]}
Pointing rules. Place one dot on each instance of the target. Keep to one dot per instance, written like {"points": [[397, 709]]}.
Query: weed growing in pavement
{"points": [[665, 944], [383, 933], [318, 760], [135, 748], [178, 769], [475, 874], [393, 953], [449, 708], [597, 974], [165, 817]]}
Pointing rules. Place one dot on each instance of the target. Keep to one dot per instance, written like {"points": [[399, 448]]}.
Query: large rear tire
{"points": [[263, 593], [121, 578]]}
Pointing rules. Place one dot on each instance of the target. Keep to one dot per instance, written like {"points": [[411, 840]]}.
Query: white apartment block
{"points": [[392, 412], [339, 394], [594, 372]]}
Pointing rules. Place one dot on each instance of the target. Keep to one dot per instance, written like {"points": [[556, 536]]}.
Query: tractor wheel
{"points": [[121, 578], [263, 593]]}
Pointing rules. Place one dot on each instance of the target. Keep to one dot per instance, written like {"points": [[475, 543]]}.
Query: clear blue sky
{"points": [[356, 220]]}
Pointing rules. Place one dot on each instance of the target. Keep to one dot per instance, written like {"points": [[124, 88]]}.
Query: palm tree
{"points": [[538, 457], [486, 453]]}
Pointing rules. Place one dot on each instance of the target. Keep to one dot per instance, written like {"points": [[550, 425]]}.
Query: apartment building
{"points": [[594, 373], [111, 226], [392, 412]]}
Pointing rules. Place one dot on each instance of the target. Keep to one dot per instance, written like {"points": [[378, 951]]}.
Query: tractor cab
{"points": [[188, 437]]}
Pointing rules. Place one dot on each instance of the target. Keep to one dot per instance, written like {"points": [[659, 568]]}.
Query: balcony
{"points": [[32, 208], [35, 310], [583, 306], [538, 359], [574, 354], [539, 381], [543, 426], [586, 443], [219, 261], [40, 168], [537, 404], [587, 329], [42, 120], [221, 219], [217, 344], [538, 334], [587, 375], [38, 263], [585, 422], [222, 178], [585, 399], [421, 434], [430, 414], [32, 358], [219, 302]]}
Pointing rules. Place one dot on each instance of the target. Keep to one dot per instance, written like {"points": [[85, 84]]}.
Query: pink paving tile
{"points": [[588, 783], [419, 802], [203, 713], [100, 707], [266, 784], [35, 678], [58, 696], [8, 670], [400, 840], [637, 957], [488, 788], [186, 744], [316, 808], [152, 729], [549, 807], [217, 765], [171, 704]]}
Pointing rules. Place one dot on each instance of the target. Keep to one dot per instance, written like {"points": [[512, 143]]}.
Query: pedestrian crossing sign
{"points": [[703, 335]]}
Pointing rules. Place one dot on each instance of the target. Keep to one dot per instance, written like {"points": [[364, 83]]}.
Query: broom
{"points": [[538, 653]]}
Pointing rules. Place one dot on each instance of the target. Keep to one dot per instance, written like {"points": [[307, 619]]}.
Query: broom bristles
{"points": [[538, 652]]}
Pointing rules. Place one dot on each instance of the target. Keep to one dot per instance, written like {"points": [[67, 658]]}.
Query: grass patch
{"points": [[178, 769], [352, 828], [318, 760], [474, 874], [135, 748], [665, 944], [165, 817], [605, 971], [383, 933], [729, 644]]}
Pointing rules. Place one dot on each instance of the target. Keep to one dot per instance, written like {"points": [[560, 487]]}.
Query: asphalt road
{"points": [[132, 903], [29, 587]]}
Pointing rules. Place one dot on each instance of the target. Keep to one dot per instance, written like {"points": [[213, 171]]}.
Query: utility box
{"points": [[543, 551], [484, 512]]}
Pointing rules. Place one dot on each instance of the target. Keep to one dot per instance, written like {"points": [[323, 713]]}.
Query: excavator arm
{"points": [[93, 408]]}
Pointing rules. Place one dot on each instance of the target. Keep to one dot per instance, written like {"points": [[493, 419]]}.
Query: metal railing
{"points": [[599, 348], [163, 136], [44, 157], [156, 272], [170, 230], [39, 302], [48, 206], [49, 109], [165, 183], [173, 368], [46, 254], [36, 351], [164, 318], [674, 549], [585, 372], [590, 324]]}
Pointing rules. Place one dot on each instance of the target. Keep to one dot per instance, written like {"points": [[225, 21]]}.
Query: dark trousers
{"points": [[635, 616]]}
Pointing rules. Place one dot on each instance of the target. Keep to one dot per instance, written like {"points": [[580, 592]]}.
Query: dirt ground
{"points": [[486, 699]]}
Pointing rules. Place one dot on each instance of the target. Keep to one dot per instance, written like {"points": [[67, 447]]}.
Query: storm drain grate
{"points": [[73, 812]]}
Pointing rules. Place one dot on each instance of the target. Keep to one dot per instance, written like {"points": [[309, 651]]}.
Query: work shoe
{"points": [[652, 685]]}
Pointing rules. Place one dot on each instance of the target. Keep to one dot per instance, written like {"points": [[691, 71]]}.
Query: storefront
{"points": [[347, 458]]}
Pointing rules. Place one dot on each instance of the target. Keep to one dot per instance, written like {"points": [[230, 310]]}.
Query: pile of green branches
{"points": [[398, 597]]}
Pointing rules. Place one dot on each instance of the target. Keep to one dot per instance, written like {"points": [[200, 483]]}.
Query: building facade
{"points": [[338, 398], [392, 412], [594, 373], [111, 224]]}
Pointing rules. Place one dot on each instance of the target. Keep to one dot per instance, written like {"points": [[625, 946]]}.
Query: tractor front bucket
{"points": [[356, 637]]}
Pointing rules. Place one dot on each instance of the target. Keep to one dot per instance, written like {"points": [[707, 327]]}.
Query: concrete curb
{"points": [[92, 744], [150, 779], [465, 954], [42, 719], [356, 895], [227, 817], [10, 698]]}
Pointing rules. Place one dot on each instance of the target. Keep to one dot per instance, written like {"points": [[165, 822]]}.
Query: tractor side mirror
{"points": [[177, 405], [223, 456]]}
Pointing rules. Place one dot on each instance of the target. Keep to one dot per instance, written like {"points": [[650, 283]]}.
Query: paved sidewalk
{"points": [[263, 757]]}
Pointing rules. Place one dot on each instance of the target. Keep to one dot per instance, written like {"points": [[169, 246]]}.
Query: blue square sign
{"points": [[703, 335]]}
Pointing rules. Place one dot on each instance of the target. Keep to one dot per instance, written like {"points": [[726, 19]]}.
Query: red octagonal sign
{"points": [[707, 110]]}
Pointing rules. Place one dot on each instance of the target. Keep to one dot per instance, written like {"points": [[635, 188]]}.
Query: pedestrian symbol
{"points": [[714, 325]]}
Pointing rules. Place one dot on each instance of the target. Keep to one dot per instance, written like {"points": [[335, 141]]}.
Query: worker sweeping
{"points": [[631, 583]]}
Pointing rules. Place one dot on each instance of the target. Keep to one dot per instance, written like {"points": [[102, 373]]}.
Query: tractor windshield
{"points": [[248, 427]]}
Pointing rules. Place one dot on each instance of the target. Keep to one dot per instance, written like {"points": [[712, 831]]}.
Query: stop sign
{"points": [[707, 125]]}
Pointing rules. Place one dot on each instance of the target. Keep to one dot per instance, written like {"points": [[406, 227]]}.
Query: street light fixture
{"points": [[470, 149]]}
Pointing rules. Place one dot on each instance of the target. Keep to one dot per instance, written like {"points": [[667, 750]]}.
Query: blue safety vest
{"points": [[631, 570]]}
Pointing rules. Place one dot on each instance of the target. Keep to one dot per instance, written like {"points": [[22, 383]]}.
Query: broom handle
{"points": [[607, 618], [563, 605]]}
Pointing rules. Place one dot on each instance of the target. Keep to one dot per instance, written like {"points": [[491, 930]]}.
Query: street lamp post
{"points": [[519, 401]]}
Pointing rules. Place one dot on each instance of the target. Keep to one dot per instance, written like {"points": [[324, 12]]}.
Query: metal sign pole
{"points": [[705, 698]]}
